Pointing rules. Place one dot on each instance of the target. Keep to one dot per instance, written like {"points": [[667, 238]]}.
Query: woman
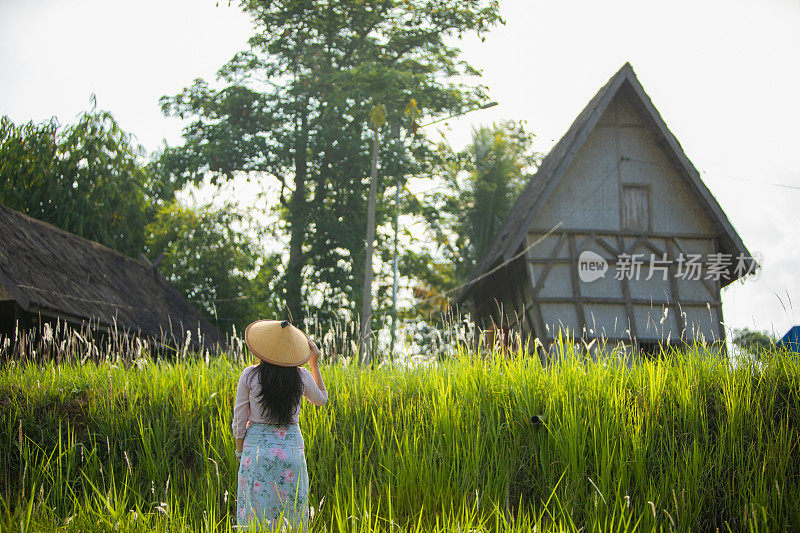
{"points": [[273, 480]]}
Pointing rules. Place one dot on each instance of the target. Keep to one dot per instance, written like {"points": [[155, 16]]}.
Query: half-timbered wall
{"points": [[620, 176]]}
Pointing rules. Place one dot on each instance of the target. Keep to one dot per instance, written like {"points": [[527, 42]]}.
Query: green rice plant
{"points": [[684, 442]]}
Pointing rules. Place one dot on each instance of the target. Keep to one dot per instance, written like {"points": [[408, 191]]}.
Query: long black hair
{"points": [[281, 390]]}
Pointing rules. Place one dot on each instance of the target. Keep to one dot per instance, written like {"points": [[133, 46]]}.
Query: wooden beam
{"points": [[607, 247], [718, 296], [639, 240], [557, 248], [593, 237], [537, 321], [585, 241], [626, 294], [673, 289], [576, 286], [655, 249], [710, 286]]}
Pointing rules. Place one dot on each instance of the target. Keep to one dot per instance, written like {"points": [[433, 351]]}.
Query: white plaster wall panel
{"points": [[607, 320], [656, 288], [702, 323], [635, 245], [655, 323], [659, 243], [545, 247], [627, 243], [607, 287], [561, 316], [538, 270], [694, 246], [690, 289], [558, 282]]}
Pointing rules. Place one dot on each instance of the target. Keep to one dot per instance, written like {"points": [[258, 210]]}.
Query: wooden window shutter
{"points": [[636, 207]]}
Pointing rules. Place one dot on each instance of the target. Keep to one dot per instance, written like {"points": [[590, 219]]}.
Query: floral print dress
{"points": [[273, 479]]}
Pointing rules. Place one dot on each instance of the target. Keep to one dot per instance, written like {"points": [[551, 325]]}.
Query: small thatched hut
{"points": [[48, 275], [600, 242]]}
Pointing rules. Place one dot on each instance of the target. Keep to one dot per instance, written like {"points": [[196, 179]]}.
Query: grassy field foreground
{"points": [[683, 443]]}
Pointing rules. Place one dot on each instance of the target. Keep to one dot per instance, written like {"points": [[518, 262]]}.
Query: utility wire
{"points": [[463, 285], [531, 245], [73, 297], [589, 197], [711, 174], [112, 304]]}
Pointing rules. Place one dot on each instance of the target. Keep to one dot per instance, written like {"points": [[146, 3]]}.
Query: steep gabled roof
{"points": [[512, 234], [61, 275]]}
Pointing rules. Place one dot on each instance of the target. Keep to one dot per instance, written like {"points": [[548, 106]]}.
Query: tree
{"points": [[86, 178], [753, 342], [295, 106], [211, 259], [500, 156], [480, 185]]}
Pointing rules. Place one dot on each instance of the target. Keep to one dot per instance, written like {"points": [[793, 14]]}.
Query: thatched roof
{"points": [[58, 274], [511, 236]]}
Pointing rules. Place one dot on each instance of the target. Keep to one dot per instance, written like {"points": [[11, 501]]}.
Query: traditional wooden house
{"points": [[615, 237], [48, 275]]}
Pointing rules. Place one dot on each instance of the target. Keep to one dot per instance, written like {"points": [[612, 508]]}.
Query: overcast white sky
{"points": [[725, 76]]}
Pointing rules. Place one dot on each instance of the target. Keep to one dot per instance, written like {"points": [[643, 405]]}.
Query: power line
{"points": [[531, 245], [80, 298], [729, 176], [556, 226], [113, 304]]}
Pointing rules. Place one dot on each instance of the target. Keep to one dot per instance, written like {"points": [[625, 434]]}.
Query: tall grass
{"points": [[684, 442]]}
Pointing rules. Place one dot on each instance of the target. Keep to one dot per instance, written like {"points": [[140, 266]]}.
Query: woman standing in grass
{"points": [[273, 479]]}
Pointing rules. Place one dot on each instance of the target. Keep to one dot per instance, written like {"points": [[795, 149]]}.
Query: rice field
{"points": [[681, 442]]}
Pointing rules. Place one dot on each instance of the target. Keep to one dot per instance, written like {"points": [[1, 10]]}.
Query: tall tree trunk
{"points": [[299, 222], [366, 304]]}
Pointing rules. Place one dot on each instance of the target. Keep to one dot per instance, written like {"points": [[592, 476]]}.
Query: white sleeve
{"points": [[311, 392], [241, 409]]}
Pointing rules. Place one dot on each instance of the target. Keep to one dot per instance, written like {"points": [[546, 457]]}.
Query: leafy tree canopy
{"points": [[210, 256], [86, 178], [296, 106], [480, 185], [753, 342]]}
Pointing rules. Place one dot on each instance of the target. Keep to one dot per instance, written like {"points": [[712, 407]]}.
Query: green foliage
{"points": [[296, 106], [480, 185], [500, 155], [211, 258], [85, 178], [686, 443], [753, 342]]}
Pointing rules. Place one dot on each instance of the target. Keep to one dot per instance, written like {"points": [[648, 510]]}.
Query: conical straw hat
{"points": [[277, 342]]}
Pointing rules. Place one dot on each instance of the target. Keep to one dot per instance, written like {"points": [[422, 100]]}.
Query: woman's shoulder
{"points": [[248, 370], [305, 376]]}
